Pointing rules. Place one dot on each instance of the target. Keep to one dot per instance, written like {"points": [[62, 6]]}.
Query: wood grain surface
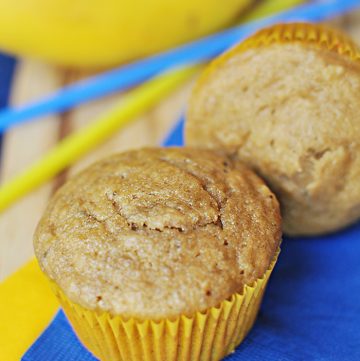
{"points": [[24, 144]]}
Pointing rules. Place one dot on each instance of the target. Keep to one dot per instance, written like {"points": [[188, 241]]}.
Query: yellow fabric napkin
{"points": [[27, 305]]}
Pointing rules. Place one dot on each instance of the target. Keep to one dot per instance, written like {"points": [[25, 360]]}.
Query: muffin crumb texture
{"points": [[290, 111], [155, 233]]}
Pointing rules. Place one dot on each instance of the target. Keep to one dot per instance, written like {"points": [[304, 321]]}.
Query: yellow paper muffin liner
{"points": [[208, 335], [314, 35]]}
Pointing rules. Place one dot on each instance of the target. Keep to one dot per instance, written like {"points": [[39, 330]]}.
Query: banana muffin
{"points": [[286, 102], [159, 234]]}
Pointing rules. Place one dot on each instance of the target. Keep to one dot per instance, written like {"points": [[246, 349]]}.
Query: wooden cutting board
{"points": [[27, 143]]}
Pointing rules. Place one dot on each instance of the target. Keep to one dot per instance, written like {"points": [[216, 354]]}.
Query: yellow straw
{"points": [[77, 144]]}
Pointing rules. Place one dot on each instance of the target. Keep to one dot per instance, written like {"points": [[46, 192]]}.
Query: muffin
{"points": [[286, 102], [161, 254]]}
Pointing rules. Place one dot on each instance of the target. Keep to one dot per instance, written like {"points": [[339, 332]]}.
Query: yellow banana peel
{"points": [[103, 33]]}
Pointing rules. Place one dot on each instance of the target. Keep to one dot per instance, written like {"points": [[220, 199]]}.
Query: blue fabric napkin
{"points": [[311, 309], [7, 67]]}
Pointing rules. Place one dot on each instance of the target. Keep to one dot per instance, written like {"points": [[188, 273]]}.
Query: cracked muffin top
{"points": [[155, 233]]}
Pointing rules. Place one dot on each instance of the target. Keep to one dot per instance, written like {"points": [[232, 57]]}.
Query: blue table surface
{"points": [[311, 310]]}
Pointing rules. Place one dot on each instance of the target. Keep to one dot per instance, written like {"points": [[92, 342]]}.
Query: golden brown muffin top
{"points": [[155, 233], [291, 112]]}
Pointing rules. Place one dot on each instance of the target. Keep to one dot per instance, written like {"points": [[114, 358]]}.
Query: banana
{"points": [[103, 33]]}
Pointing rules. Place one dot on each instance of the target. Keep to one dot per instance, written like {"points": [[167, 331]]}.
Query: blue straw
{"points": [[196, 52]]}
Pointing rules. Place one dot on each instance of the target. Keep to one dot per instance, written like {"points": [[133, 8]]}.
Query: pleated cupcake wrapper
{"points": [[314, 35], [205, 336]]}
